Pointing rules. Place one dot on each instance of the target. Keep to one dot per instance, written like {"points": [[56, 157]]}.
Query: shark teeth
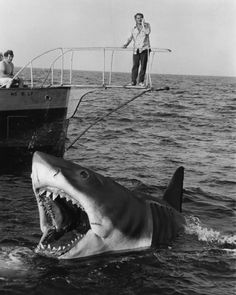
{"points": [[65, 222], [59, 250], [41, 192], [54, 196], [47, 193]]}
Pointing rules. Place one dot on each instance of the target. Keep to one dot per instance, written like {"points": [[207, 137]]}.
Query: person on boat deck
{"points": [[140, 36], [7, 71]]}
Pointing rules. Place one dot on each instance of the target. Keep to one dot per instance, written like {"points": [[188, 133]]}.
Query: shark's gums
{"points": [[83, 213]]}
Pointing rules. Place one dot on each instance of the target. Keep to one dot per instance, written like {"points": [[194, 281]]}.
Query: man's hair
{"points": [[8, 52], [138, 14]]}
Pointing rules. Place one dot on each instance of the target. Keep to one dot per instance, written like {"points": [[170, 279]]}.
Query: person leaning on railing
{"points": [[7, 72]]}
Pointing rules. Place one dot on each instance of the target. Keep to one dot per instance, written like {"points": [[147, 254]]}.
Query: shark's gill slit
{"points": [[65, 220]]}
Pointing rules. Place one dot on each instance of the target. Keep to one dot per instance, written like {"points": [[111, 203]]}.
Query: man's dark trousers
{"points": [[139, 58]]}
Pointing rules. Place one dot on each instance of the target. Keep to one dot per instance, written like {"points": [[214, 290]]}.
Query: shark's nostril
{"points": [[84, 174]]}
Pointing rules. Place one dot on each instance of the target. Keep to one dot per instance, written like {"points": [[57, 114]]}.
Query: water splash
{"points": [[195, 227], [14, 261]]}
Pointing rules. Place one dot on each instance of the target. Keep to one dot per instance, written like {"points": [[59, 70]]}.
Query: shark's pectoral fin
{"points": [[174, 192]]}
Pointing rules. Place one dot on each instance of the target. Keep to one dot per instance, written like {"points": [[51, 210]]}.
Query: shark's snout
{"points": [[41, 169]]}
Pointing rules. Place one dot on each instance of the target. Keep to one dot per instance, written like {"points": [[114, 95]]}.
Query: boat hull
{"points": [[32, 119]]}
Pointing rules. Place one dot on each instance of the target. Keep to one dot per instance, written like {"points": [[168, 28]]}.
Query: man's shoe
{"points": [[131, 84], [141, 84]]}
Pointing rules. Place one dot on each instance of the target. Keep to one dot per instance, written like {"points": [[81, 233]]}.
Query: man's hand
{"points": [[145, 25]]}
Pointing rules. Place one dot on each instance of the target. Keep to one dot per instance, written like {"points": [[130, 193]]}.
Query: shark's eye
{"points": [[84, 174], [58, 171]]}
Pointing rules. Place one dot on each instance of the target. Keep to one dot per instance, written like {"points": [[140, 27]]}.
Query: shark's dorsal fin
{"points": [[174, 192]]}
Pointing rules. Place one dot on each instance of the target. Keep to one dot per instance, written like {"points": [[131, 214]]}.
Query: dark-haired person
{"points": [[140, 36], [7, 71]]}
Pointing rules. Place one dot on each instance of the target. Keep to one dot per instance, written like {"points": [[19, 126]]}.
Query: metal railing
{"points": [[62, 52]]}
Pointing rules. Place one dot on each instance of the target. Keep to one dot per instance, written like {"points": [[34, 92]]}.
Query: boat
{"points": [[36, 117]]}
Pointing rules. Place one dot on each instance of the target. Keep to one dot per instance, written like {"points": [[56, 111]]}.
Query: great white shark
{"points": [[83, 213]]}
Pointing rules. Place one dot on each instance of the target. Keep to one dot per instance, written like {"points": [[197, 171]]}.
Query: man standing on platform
{"points": [[140, 36]]}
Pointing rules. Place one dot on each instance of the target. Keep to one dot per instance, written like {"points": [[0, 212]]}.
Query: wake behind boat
{"points": [[36, 117]]}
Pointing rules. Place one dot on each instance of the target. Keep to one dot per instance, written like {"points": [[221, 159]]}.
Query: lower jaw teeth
{"points": [[56, 250]]}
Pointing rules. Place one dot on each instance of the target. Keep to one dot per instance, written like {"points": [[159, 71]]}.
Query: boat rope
{"points": [[113, 111]]}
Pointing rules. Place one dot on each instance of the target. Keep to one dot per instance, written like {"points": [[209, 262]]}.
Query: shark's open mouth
{"points": [[64, 222]]}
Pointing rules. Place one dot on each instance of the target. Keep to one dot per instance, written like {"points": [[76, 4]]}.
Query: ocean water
{"points": [[191, 125]]}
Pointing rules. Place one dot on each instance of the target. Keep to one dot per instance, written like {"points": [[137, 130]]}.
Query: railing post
{"points": [[104, 66], [112, 54], [71, 64], [149, 78], [62, 65], [31, 75], [150, 67], [52, 76]]}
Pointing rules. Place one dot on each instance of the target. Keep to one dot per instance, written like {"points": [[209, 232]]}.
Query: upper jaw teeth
{"points": [[54, 196], [61, 194]]}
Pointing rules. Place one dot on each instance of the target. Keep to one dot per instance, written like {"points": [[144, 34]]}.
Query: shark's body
{"points": [[83, 213]]}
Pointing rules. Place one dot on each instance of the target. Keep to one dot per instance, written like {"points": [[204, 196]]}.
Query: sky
{"points": [[200, 33]]}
